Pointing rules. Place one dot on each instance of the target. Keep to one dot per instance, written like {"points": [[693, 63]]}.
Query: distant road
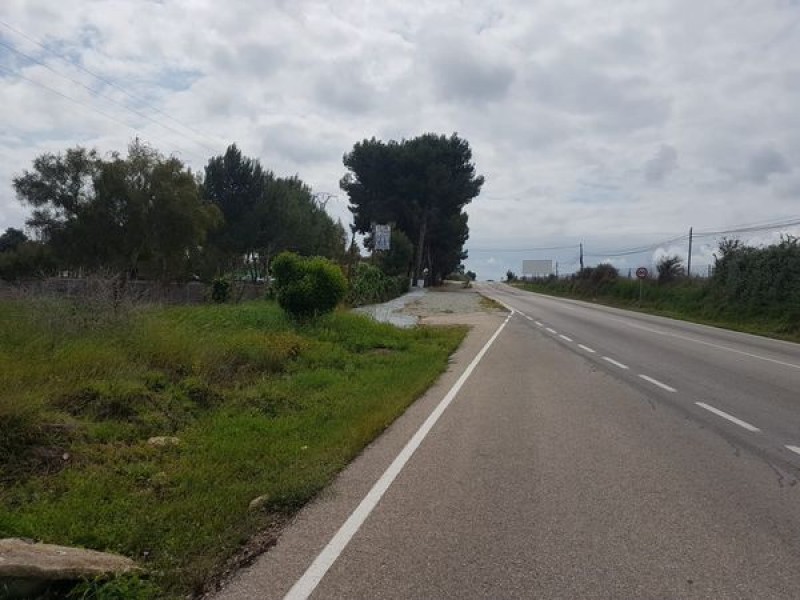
{"points": [[591, 453]]}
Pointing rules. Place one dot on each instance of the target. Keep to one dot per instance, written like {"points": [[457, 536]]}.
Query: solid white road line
{"points": [[656, 382], [553, 331], [615, 363], [794, 449], [309, 581], [730, 418], [589, 350], [529, 318], [539, 323], [565, 338]]}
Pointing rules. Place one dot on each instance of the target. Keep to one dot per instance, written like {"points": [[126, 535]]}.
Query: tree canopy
{"points": [[147, 215], [139, 212], [420, 185], [265, 214]]}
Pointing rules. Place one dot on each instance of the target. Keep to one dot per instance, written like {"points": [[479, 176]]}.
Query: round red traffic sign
{"points": [[641, 272]]}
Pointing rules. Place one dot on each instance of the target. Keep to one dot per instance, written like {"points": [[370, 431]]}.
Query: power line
{"points": [[638, 250], [570, 247], [756, 227], [94, 109], [751, 228], [101, 95], [108, 82]]}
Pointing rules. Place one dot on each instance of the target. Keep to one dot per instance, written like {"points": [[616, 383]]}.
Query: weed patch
{"points": [[261, 406]]}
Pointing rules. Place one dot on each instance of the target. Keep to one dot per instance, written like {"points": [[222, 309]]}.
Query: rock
{"points": [[164, 440], [257, 503], [24, 560]]}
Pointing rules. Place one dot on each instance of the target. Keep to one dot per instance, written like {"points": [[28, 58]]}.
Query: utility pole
{"points": [[689, 261], [581, 256]]}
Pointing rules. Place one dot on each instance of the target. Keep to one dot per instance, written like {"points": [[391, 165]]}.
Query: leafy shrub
{"points": [[670, 268], [307, 287], [370, 285], [220, 290], [592, 281]]}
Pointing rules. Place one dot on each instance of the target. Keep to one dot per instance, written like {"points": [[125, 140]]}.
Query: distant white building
{"points": [[536, 268]]}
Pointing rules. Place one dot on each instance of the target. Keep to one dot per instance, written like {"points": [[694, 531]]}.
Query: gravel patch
{"points": [[447, 304]]}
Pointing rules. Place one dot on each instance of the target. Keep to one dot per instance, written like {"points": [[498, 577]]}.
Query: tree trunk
{"points": [[423, 230]]}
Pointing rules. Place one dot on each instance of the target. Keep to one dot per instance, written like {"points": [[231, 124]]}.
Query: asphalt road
{"points": [[591, 453]]}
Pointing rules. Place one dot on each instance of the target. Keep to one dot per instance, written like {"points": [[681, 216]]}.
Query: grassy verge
{"points": [[688, 300], [262, 408]]}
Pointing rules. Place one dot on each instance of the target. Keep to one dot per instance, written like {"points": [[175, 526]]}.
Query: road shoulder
{"points": [[273, 573]]}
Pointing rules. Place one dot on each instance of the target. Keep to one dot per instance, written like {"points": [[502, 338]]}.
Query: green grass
{"points": [[260, 405], [686, 300]]}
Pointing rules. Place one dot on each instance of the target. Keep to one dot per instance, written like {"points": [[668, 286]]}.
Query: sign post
{"points": [[641, 274]]}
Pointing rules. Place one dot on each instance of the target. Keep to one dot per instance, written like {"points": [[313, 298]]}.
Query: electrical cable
{"points": [[105, 96], [108, 82], [96, 110], [570, 247]]}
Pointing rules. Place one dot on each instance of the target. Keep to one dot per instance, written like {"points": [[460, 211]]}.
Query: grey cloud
{"points": [[661, 165], [764, 163], [462, 75], [619, 102], [342, 87], [576, 82], [249, 59], [298, 143]]}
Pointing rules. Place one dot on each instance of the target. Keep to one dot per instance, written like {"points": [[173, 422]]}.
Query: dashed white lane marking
{"points": [[686, 338], [565, 338], [309, 581], [656, 382], [589, 350], [712, 345], [731, 418], [794, 449], [529, 318], [539, 323], [615, 363], [553, 331]]}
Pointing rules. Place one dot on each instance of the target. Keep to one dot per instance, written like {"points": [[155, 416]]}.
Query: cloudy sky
{"points": [[619, 124]]}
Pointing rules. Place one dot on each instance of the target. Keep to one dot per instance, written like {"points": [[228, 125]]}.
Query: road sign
{"points": [[641, 273], [383, 237]]}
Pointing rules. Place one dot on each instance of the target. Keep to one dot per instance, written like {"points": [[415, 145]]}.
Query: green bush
{"points": [[220, 290], [124, 587], [307, 287], [370, 285]]}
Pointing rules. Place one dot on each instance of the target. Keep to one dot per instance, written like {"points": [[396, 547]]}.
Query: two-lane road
{"points": [[573, 451], [745, 385]]}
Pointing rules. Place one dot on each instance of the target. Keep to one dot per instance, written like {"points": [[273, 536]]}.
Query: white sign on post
{"points": [[383, 237]]}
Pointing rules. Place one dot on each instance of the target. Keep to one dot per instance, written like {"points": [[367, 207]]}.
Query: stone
{"points": [[257, 503], [26, 560], [164, 440]]}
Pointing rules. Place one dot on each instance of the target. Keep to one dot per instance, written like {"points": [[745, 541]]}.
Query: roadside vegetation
{"points": [[150, 431], [756, 290], [172, 435]]}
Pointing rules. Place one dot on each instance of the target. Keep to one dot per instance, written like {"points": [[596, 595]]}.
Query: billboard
{"points": [[537, 268]]}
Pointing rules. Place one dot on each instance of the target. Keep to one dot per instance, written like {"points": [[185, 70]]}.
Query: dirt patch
{"points": [[257, 545], [450, 300]]}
